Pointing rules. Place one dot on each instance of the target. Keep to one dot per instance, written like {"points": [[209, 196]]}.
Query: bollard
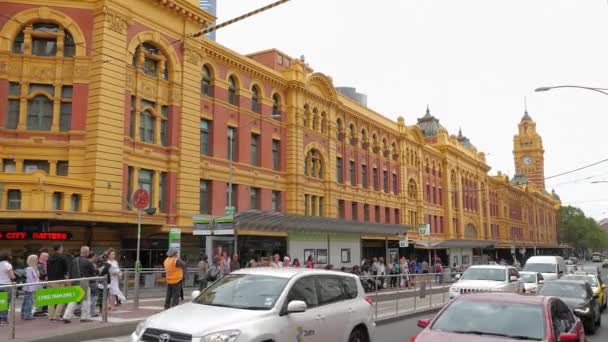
{"points": [[397, 301], [415, 295], [431, 291], [104, 303], [13, 313]]}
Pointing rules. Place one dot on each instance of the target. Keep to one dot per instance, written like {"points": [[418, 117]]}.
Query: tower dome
{"points": [[429, 125]]}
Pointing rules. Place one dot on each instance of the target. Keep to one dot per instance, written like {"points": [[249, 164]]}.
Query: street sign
{"points": [[229, 211], [3, 301], [403, 243], [175, 238], [512, 249], [141, 199], [58, 295], [424, 229]]}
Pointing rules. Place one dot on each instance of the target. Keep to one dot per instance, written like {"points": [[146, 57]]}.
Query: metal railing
{"points": [[396, 295], [152, 281], [13, 288]]}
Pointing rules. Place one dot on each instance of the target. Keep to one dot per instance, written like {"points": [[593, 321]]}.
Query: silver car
{"points": [[531, 281], [269, 304]]}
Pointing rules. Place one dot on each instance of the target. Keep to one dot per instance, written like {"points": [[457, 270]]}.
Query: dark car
{"points": [[502, 317], [579, 296]]}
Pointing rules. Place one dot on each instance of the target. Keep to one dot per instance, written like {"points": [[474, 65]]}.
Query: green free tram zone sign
{"points": [[50, 296]]}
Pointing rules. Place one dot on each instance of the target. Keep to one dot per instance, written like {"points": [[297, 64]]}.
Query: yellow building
{"points": [[100, 98]]}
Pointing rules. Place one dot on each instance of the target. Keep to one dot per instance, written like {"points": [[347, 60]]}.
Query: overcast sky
{"points": [[472, 61]]}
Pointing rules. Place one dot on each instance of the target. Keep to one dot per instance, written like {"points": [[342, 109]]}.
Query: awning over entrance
{"points": [[274, 221], [455, 243]]}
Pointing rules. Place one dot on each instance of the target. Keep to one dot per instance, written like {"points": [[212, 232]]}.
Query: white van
{"points": [[551, 267]]}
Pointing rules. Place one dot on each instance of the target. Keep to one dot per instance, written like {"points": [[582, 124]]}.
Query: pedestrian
{"points": [[234, 263], [296, 263], [115, 276], [216, 271], [203, 273], [57, 269], [310, 262], [381, 271], [82, 267], [174, 268], [276, 261], [438, 272], [253, 263], [425, 267], [94, 288], [32, 276], [286, 261], [6, 278], [225, 263], [42, 270]]}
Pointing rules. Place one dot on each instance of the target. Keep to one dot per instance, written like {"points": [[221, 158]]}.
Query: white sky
{"points": [[472, 61]]}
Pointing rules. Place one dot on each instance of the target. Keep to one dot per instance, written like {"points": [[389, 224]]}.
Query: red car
{"points": [[502, 317]]}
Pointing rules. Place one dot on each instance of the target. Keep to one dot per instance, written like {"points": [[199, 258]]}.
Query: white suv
{"points": [[269, 304], [488, 278]]}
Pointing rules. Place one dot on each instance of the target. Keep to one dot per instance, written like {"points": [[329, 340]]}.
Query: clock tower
{"points": [[529, 153]]}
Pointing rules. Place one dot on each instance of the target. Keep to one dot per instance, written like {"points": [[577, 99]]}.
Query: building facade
{"points": [[100, 98]]}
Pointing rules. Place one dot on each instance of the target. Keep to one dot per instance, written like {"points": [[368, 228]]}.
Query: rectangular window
{"points": [[313, 205], [276, 154], [395, 184], [204, 199], [130, 172], [75, 202], [276, 201], [65, 116], [428, 193], [57, 200], [255, 143], [364, 176], [366, 212], [387, 215], [230, 195], [205, 136], [14, 199], [307, 205], [145, 180], [341, 209], [413, 219], [339, 176], [231, 143], [9, 165], [440, 197], [164, 132], [62, 168], [12, 118], [398, 216], [254, 198], [35, 165], [377, 213], [132, 117], [162, 189], [352, 172], [146, 127], [354, 210], [321, 205], [66, 92], [434, 195], [14, 89], [385, 180], [375, 178]]}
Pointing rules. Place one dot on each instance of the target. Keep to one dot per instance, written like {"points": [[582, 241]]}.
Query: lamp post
{"points": [[230, 166], [599, 90]]}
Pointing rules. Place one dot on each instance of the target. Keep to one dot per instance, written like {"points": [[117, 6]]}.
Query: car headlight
{"points": [[141, 326], [583, 311], [222, 336], [454, 290]]}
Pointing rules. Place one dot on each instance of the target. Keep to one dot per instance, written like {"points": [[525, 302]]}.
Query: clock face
{"points": [[527, 160]]}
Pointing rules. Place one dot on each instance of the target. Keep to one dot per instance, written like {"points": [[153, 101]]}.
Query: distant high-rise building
{"points": [[211, 7]]}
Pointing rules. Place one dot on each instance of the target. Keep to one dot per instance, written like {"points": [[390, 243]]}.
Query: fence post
{"points": [[397, 301], [431, 276], [376, 297], [125, 285], [13, 313], [104, 301], [415, 294]]}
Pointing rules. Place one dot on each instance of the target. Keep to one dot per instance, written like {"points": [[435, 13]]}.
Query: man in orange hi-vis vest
{"points": [[174, 268]]}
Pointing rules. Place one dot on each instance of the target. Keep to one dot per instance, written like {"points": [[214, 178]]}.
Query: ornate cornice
{"points": [[189, 11]]}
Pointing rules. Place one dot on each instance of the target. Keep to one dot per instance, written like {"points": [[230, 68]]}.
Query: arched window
{"points": [[147, 128], [352, 134], [364, 140], [276, 106], [412, 190], [44, 39], [232, 90], [323, 122], [313, 164], [206, 81], [339, 128], [151, 60], [315, 120], [470, 232], [40, 113], [255, 99]]}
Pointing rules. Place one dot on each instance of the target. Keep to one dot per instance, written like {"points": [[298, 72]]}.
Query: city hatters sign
{"points": [[41, 236]]}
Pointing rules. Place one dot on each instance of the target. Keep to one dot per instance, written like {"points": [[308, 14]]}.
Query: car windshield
{"points": [[473, 273], [540, 268], [563, 290], [589, 279], [591, 269], [528, 277], [519, 321], [243, 291]]}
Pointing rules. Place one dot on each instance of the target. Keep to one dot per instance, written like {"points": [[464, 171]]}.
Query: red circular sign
{"points": [[141, 199]]}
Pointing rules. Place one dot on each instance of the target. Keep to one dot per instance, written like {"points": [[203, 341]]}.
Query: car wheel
{"points": [[358, 335], [590, 327], [598, 323]]}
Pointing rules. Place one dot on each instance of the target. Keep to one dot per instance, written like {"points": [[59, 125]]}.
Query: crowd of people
{"points": [[55, 269]]}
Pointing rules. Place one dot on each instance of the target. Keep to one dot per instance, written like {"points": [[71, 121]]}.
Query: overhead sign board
{"points": [[207, 225], [175, 238], [424, 229], [43, 236]]}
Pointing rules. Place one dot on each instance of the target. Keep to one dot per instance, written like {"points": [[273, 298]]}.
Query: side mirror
{"points": [[423, 323], [195, 294], [541, 281], [458, 276], [296, 306], [513, 278], [568, 337]]}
